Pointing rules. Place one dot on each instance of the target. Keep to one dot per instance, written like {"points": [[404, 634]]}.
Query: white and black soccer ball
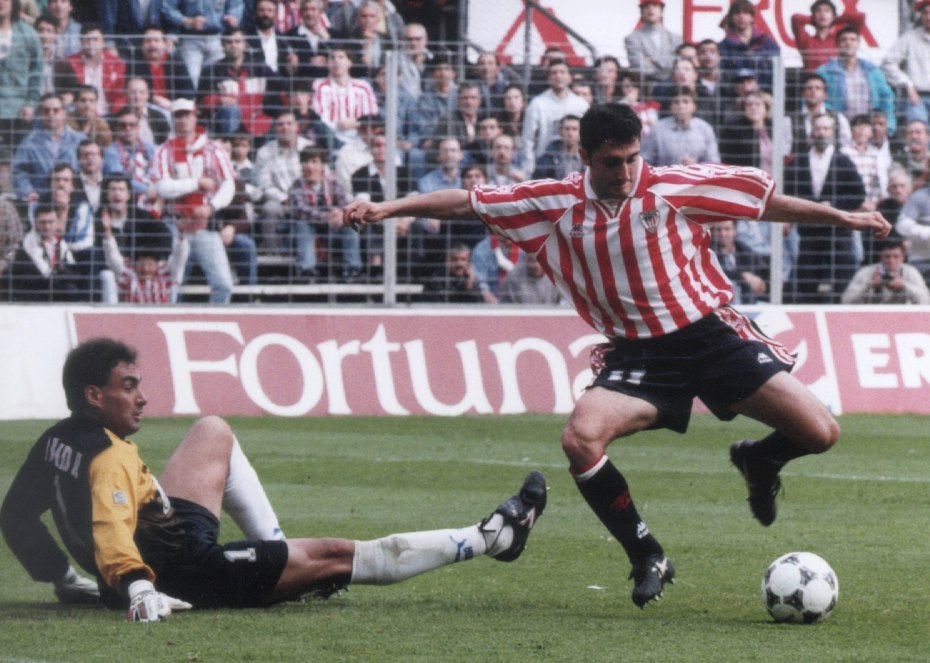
{"points": [[800, 588]]}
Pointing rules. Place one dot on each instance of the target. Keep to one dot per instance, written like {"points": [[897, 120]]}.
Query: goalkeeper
{"points": [[152, 544]]}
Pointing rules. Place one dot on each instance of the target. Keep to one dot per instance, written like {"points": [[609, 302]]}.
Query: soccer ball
{"points": [[799, 587]]}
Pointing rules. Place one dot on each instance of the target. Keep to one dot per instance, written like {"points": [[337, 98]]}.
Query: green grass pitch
{"points": [[865, 507]]}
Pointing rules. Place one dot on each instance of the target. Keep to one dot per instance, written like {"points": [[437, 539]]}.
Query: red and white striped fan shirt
{"points": [[637, 268], [334, 102]]}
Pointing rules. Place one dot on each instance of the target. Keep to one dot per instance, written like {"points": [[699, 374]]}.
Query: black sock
{"points": [[777, 449], [607, 493]]}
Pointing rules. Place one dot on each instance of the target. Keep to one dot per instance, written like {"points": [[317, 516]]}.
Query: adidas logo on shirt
{"points": [[763, 358]]}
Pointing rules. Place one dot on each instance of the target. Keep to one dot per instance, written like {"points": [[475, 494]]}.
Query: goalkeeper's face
{"points": [[120, 401]]}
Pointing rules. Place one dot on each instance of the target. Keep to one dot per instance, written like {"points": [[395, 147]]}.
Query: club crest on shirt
{"points": [[577, 230], [650, 220]]}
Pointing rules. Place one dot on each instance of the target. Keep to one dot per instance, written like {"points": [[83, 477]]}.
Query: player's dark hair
{"points": [[612, 123], [91, 363]]}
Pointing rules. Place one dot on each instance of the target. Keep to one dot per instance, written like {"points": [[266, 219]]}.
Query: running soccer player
{"points": [[629, 246], [153, 544]]}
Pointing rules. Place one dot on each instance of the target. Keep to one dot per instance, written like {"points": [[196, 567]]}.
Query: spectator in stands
{"points": [[154, 122], [341, 100], [434, 108], [710, 87], [232, 89], [563, 155], [814, 104], [235, 222], [86, 117], [129, 156], [650, 48], [607, 79], [865, 156], [539, 75], [514, 111], [466, 231], [121, 213], [315, 201], [406, 105], [166, 75], [90, 173], [307, 43], [746, 140], [684, 74], [200, 25], [856, 86], [370, 181], [900, 187], [646, 109], [53, 142], [914, 154], [277, 167], [819, 45], [907, 64], [493, 258], [425, 238], [309, 124], [364, 39], [454, 282], [745, 46], [739, 263], [913, 225], [463, 122], [42, 269], [194, 174], [828, 255], [527, 283], [480, 150], [681, 138], [545, 110], [11, 230], [69, 30], [502, 171], [687, 51], [48, 37], [357, 152], [97, 67], [492, 81], [20, 73], [415, 56], [881, 137], [146, 275], [264, 42], [890, 281], [127, 19]]}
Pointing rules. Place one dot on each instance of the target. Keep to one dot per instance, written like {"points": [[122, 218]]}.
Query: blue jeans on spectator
{"points": [[919, 111], [347, 240], [197, 51], [208, 252], [243, 258]]}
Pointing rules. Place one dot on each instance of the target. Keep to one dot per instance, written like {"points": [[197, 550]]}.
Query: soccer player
{"points": [[153, 544], [629, 246]]}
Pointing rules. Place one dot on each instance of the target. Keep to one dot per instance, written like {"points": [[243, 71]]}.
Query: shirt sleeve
{"points": [[119, 485], [707, 193]]}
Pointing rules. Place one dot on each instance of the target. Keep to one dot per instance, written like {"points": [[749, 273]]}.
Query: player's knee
{"points": [[828, 434], [213, 427], [582, 443]]}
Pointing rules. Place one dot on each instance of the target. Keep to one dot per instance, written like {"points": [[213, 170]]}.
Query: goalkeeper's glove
{"points": [[146, 604], [74, 588]]}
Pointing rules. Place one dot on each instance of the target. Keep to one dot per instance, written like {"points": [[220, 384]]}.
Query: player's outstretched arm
{"points": [[788, 209], [442, 204]]}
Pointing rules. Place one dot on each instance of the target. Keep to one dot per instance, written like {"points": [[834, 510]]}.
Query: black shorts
{"points": [[190, 564], [721, 359]]}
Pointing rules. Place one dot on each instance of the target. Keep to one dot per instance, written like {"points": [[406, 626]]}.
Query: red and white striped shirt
{"points": [[637, 268], [335, 103]]}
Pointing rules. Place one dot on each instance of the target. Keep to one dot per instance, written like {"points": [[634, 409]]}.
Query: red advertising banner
{"points": [[398, 362]]}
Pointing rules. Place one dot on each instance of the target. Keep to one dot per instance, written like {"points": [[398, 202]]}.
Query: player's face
{"points": [[120, 400], [612, 169]]}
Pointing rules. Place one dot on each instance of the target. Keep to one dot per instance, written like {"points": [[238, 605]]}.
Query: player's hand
{"points": [[146, 604], [359, 212], [873, 221], [75, 589]]}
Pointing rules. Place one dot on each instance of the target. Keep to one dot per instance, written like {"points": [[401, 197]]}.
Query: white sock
{"points": [[245, 500], [400, 556], [497, 535]]}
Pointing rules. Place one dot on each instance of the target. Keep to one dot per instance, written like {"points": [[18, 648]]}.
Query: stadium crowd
{"points": [[145, 144]]}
